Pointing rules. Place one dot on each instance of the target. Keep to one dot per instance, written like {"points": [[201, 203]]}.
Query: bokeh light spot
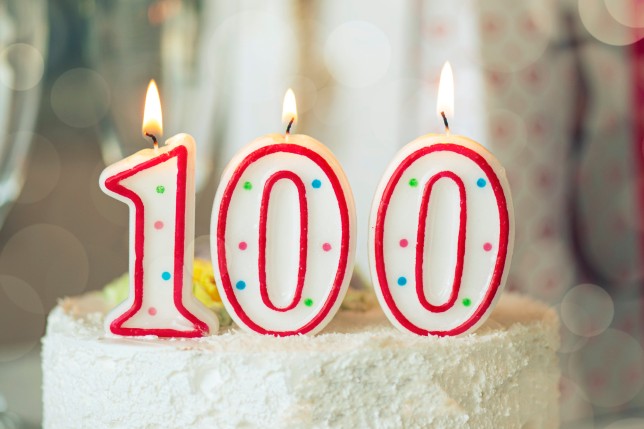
{"points": [[80, 97], [62, 261], [44, 157], [626, 13], [627, 424], [357, 54], [596, 17], [21, 67], [587, 310], [609, 368], [21, 294]]}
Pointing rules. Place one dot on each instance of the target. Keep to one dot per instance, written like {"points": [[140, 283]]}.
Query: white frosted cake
{"points": [[360, 372]]}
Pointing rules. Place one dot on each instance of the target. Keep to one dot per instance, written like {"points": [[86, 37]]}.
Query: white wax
{"points": [[167, 303], [236, 230], [487, 242]]}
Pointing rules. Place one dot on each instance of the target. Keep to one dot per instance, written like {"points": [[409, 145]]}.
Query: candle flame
{"points": [[445, 101], [152, 117], [289, 109]]}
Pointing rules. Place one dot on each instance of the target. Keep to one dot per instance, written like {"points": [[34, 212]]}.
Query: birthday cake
{"points": [[359, 372]]}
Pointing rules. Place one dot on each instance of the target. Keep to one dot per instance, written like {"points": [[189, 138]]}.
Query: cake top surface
{"points": [[82, 317]]}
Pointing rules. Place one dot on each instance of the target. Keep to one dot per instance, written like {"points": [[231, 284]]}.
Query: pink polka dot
{"points": [[243, 245], [326, 247], [152, 311], [487, 247], [404, 242], [158, 224]]}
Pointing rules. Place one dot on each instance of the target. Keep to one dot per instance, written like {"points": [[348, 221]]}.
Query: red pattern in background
{"points": [[637, 53]]}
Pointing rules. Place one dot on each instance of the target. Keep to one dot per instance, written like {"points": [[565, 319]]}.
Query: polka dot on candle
{"points": [[487, 247], [316, 183], [240, 285], [404, 242], [467, 302], [413, 182], [165, 275], [481, 182], [243, 245], [326, 247], [160, 189], [158, 225], [152, 311], [248, 186], [402, 281], [308, 302]]}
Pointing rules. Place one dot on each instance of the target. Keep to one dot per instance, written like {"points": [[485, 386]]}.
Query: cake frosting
{"points": [[360, 372]]}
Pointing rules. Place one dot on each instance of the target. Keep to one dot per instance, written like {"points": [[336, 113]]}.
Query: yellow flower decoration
{"points": [[203, 283]]}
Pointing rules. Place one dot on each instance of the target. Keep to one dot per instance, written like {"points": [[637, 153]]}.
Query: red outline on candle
{"points": [[113, 184], [420, 242], [504, 237], [304, 219], [344, 242]]}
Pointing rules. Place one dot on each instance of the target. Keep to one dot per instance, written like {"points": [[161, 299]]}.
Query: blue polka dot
{"points": [[166, 275], [241, 285], [481, 183], [402, 281], [316, 183]]}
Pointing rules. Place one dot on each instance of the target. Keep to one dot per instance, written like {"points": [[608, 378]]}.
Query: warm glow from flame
{"points": [[445, 101], [152, 117], [289, 109]]}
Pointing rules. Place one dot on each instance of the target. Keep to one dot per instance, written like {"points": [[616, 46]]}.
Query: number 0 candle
{"points": [[283, 233], [441, 231], [158, 186]]}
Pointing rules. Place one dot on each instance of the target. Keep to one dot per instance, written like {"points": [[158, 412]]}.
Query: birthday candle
{"points": [[283, 234], [158, 186], [441, 231]]}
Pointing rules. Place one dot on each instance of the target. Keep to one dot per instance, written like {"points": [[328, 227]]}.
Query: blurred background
{"points": [[554, 88]]}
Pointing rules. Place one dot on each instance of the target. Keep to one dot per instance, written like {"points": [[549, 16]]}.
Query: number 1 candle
{"points": [[283, 234], [441, 231], [158, 186]]}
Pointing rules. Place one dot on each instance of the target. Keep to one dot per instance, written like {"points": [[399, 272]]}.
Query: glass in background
{"points": [[23, 37], [138, 40]]}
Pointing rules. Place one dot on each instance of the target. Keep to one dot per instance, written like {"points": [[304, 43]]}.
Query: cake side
{"points": [[359, 372]]}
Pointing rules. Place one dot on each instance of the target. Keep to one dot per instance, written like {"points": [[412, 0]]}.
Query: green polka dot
{"points": [[160, 189], [467, 302], [308, 302], [413, 182], [248, 186]]}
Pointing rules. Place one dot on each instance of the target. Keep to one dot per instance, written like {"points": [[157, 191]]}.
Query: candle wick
{"points": [[445, 122], [154, 140], [290, 124]]}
